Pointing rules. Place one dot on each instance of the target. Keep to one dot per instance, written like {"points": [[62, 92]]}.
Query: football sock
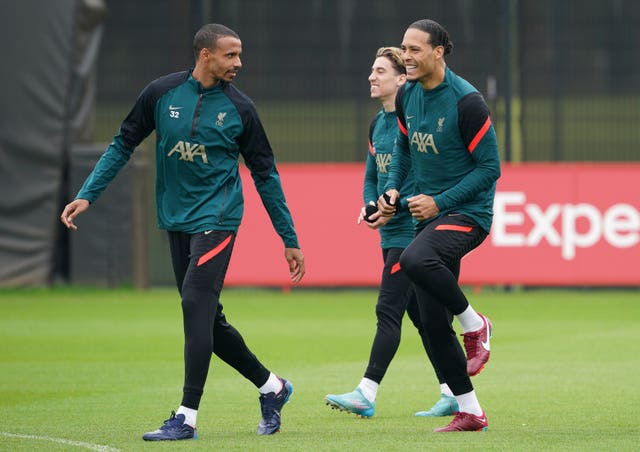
{"points": [[273, 384], [189, 415], [369, 389], [470, 320], [468, 403], [444, 389]]}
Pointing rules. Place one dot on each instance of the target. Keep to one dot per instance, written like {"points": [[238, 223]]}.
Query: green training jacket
{"points": [[398, 232], [446, 137], [200, 134]]}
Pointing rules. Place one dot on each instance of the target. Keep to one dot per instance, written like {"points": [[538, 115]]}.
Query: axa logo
{"points": [[567, 226], [189, 151], [221, 116], [424, 142], [382, 162]]}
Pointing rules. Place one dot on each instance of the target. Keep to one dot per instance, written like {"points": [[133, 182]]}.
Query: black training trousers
{"points": [[396, 296], [200, 264], [432, 262]]}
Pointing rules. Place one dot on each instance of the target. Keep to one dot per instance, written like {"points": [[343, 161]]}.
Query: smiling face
{"points": [[384, 80], [219, 64], [423, 61]]}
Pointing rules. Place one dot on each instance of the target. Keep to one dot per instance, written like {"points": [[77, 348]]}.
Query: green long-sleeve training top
{"points": [[200, 134], [399, 232], [446, 138]]}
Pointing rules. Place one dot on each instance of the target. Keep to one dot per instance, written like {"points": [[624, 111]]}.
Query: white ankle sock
{"points": [[273, 384], [189, 415], [470, 320], [369, 389], [468, 403], [444, 389]]}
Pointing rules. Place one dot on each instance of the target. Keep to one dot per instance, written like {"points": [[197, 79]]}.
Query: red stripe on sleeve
{"points": [[402, 129], [372, 151], [212, 253], [395, 268], [453, 227], [480, 134]]}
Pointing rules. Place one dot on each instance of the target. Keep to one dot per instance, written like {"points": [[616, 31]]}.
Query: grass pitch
{"points": [[86, 369]]}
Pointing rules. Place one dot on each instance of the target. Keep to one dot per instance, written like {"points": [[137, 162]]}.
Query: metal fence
{"points": [[562, 77], [579, 70]]}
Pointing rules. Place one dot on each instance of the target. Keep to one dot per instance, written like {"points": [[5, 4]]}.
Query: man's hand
{"points": [[422, 207], [367, 212], [72, 210], [363, 213], [388, 208], [376, 219], [296, 263]]}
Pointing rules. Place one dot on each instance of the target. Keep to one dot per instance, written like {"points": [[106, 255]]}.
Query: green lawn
{"points": [[94, 369]]}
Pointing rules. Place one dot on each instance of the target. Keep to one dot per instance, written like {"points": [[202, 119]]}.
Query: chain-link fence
{"points": [[562, 78]]}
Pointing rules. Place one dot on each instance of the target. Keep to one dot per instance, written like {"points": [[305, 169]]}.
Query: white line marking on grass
{"points": [[68, 442]]}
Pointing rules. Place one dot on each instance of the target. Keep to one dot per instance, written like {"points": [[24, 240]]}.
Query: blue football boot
{"points": [[271, 405], [446, 406], [354, 402], [173, 429]]}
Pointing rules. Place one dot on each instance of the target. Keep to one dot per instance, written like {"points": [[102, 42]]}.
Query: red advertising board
{"points": [[554, 224]]}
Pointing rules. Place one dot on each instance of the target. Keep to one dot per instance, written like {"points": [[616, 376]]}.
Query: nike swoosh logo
{"points": [[207, 232], [171, 107], [411, 117], [484, 344]]}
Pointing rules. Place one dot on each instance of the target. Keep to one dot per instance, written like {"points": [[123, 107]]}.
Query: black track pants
{"points": [[432, 262], [396, 296], [200, 264]]}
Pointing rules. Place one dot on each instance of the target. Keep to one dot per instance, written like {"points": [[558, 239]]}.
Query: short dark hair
{"points": [[208, 35], [439, 35]]}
